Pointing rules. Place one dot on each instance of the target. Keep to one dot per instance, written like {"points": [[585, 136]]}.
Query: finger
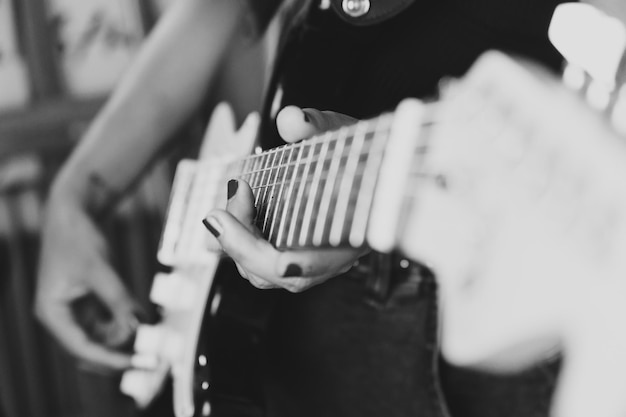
{"points": [[241, 202], [242, 272], [261, 283], [295, 124], [248, 249], [299, 270], [253, 253], [315, 263], [59, 319], [108, 287], [254, 280]]}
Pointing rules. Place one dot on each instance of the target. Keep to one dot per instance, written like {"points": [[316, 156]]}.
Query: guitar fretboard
{"points": [[317, 192]]}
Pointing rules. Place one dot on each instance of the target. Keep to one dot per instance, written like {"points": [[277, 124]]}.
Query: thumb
{"points": [[110, 290], [295, 124], [241, 203]]}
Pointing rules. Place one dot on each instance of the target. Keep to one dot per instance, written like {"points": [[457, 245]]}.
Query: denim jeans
{"points": [[362, 344], [365, 344]]}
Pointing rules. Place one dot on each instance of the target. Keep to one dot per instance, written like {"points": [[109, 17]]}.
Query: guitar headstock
{"points": [[517, 207]]}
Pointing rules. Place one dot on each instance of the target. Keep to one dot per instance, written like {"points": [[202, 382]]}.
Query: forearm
{"points": [[165, 84]]}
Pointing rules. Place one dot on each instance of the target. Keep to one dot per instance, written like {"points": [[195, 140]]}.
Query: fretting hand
{"points": [[259, 261]]}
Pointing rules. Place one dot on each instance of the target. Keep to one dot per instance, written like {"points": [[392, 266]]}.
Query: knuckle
{"points": [[260, 283], [256, 284], [242, 272], [40, 311], [296, 285]]}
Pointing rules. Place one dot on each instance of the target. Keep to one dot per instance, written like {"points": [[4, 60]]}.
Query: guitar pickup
{"points": [[176, 211]]}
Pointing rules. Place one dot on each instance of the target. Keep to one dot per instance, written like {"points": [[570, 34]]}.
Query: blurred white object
{"points": [[589, 39], [593, 44], [97, 41], [14, 90]]}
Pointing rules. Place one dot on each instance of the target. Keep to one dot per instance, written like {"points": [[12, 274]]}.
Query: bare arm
{"points": [[167, 81], [164, 85]]}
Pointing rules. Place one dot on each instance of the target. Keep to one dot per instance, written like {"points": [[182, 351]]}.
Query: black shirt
{"points": [[332, 350], [362, 71]]}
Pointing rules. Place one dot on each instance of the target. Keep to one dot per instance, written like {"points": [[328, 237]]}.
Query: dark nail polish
{"points": [[232, 188], [293, 270], [306, 117], [211, 229]]}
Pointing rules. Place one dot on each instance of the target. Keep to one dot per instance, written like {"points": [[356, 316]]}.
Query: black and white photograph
{"points": [[312, 208]]}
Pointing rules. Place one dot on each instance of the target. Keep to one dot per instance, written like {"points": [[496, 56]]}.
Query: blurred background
{"points": [[59, 60]]}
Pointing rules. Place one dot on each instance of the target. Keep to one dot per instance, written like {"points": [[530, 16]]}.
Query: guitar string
{"points": [[266, 174], [261, 178]]}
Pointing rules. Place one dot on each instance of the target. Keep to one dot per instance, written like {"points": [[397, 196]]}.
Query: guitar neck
{"points": [[318, 192]]}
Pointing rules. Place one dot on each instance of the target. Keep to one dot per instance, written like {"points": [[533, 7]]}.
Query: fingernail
{"points": [[293, 270], [213, 226], [306, 117], [232, 188]]}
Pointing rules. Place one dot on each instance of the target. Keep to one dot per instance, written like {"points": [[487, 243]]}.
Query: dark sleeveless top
{"points": [[330, 64], [345, 348]]}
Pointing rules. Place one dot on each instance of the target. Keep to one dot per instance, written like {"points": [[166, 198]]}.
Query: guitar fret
{"points": [[347, 184], [315, 181], [293, 206], [368, 182], [278, 206], [271, 200], [329, 188], [247, 170], [287, 204], [266, 176], [263, 161], [296, 220], [323, 178]]}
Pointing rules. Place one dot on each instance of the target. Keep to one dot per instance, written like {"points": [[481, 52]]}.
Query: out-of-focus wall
{"points": [[49, 92], [37, 378]]}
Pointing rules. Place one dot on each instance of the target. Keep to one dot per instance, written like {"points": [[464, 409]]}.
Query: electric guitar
{"points": [[510, 182], [317, 193]]}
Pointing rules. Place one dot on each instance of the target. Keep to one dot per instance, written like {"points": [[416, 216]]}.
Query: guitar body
{"points": [[194, 257], [232, 338], [187, 293]]}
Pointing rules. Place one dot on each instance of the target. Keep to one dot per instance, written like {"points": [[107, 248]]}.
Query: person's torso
{"points": [[329, 63]]}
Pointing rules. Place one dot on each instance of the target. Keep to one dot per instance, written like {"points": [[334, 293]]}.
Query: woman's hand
{"points": [[74, 269], [259, 261]]}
